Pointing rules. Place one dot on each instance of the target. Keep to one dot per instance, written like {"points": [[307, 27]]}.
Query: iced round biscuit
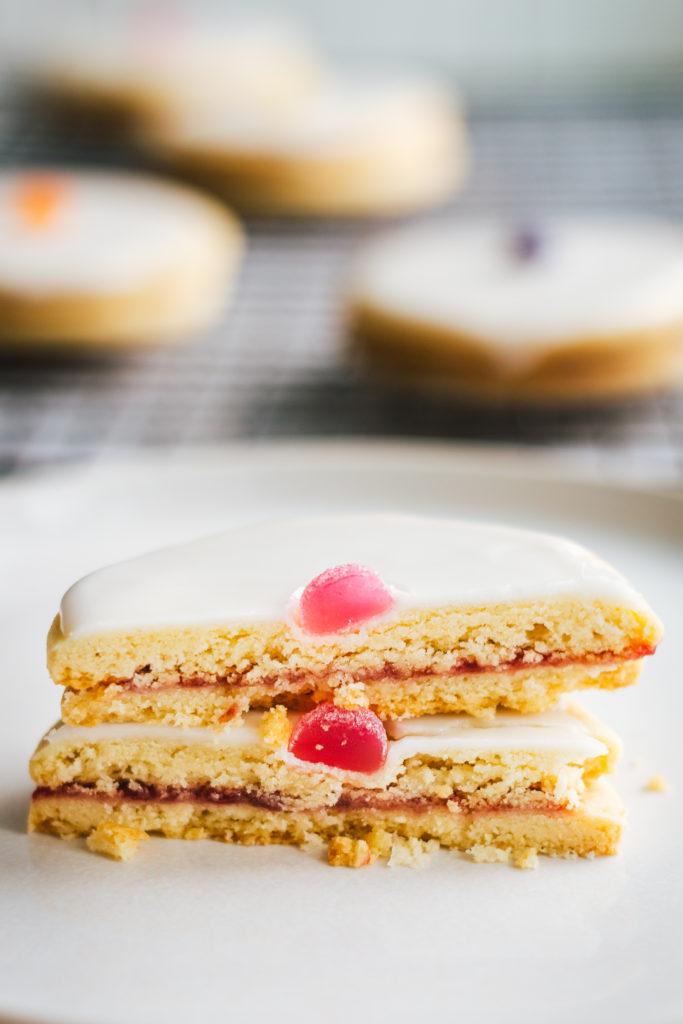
{"points": [[572, 308], [107, 259], [157, 61], [481, 617], [357, 145]]}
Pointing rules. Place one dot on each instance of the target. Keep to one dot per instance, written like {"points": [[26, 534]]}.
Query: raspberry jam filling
{"points": [[355, 741], [130, 791], [343, 598]]}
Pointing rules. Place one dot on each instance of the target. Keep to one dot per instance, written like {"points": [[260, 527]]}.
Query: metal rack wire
{"points": [[278, 365]]}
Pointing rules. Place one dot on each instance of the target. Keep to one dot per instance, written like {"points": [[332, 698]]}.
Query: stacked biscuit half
{"points": [[381, 683]]}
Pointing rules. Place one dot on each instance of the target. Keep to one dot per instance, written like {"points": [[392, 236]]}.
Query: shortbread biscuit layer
{"points": [[593, 829], [217, 703], [444, 659], [516, 780]]}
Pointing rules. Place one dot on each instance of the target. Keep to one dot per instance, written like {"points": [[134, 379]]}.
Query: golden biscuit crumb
{"points": [[311, 841], [380, 842], [657, 784], [412, 852], [195, 833], [343, 852], [276, 727], [482, 854], [526, 859], [351, 696], [114, 840]]}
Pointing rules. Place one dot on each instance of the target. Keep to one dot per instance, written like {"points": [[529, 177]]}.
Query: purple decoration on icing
{"points": [[527, 244]]}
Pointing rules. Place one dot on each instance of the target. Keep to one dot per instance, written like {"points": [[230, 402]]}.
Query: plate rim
{"points": [[554, 463]]}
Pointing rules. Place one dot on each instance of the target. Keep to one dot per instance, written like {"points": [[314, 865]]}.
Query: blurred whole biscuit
{"points": [[356, 145], [108, 260], [579, 308], [153, 66]]}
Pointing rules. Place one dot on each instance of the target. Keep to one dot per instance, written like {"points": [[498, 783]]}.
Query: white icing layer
{"points": [[558, 735], [555, 735], [249, 575], [344, 112], [243, 735], [111, 232], [591, 277]]}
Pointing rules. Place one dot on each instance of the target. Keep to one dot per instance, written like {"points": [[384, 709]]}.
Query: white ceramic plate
{"points": [[204, 931]]}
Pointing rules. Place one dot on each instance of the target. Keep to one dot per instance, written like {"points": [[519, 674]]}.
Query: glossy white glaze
{"points": [[249, 575], [246, 734], [344, 111], [111, 232]]}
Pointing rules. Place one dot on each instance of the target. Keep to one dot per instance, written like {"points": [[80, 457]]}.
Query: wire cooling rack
{"points": [[278, 364]]}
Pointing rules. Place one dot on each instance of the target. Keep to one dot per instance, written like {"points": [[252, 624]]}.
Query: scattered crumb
{"points": [[636, 762], [275, 727], [657, 784], [351, 696], [411, 853], [526, 859], [483, 854], [114, 840], [380, 842], [343, 852]]}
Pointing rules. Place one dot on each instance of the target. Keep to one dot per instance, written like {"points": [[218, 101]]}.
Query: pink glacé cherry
{"points": [[355, 741], [341, 598]]}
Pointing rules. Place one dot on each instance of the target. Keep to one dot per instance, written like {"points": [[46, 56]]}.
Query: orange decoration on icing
{"points": [[38, 198]]}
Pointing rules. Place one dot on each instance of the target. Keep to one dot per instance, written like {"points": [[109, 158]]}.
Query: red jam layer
{"points": [[129, 791], [138, 683]]}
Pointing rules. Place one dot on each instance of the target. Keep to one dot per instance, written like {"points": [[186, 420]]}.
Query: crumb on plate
{"points": [[411, 852], [344, 852], [657, 784], [526, 859], [114, 840]]}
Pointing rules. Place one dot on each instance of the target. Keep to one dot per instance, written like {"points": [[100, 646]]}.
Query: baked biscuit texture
{"points": [[594, 829], [115, 840], [480, 693], [459, 789], [426, 640], [447, 659], [249, 764]]}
